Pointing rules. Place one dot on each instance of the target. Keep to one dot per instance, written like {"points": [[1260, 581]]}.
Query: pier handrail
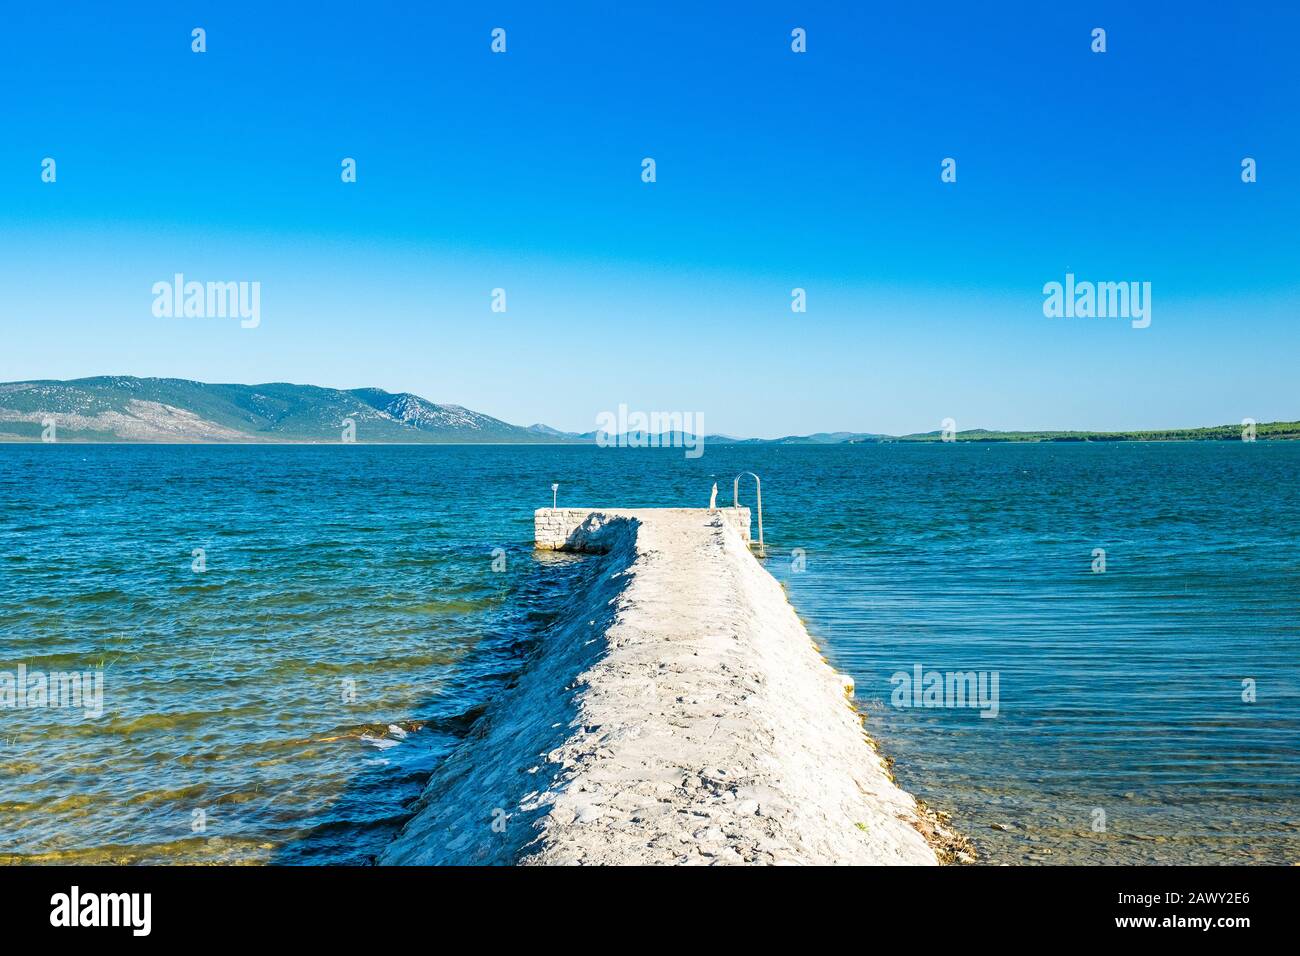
{"points": [[758, 492]]}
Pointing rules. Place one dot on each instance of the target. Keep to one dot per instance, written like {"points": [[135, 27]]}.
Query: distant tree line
{"points": [[1268, 431]]}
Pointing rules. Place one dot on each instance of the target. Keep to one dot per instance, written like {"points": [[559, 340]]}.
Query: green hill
{"points": [[1263, 432]]}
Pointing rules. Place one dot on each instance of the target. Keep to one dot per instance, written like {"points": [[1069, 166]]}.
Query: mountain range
{"points": [[123, 408]]}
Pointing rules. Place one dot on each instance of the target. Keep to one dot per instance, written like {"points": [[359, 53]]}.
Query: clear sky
{"points": [[775, 170]]}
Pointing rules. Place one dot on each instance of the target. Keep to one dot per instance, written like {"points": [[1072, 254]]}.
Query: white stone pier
{"points": [[573, 529], [676, 712]]}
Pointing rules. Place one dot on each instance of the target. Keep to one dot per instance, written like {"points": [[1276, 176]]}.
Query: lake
{"points": [[263, 615]]}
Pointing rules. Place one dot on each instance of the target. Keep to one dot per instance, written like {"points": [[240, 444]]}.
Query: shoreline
{"points": [[746, 443], [678, 712]]}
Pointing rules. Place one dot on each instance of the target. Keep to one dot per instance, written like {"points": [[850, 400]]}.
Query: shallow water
{"points": [[349, 588]]}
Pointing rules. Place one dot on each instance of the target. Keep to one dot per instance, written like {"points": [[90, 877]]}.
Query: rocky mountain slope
{"points": [[125, 408]]}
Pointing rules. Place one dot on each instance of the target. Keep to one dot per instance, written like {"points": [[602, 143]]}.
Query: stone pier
{"points": [[676, 711], [574, 529]]}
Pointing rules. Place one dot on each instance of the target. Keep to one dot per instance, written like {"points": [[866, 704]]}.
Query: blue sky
{"points": [[775, 170]]}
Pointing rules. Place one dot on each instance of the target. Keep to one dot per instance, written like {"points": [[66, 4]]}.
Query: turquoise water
{"points": [[247, 706]]}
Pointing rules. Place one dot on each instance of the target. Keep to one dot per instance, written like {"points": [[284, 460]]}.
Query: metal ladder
{"points": [[758, 491]]}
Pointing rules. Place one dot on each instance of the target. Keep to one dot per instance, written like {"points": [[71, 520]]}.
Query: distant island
{"points": [[123, 408]]}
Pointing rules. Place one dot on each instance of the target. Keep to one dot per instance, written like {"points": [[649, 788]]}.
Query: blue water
{"points": [[349, 588]]}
